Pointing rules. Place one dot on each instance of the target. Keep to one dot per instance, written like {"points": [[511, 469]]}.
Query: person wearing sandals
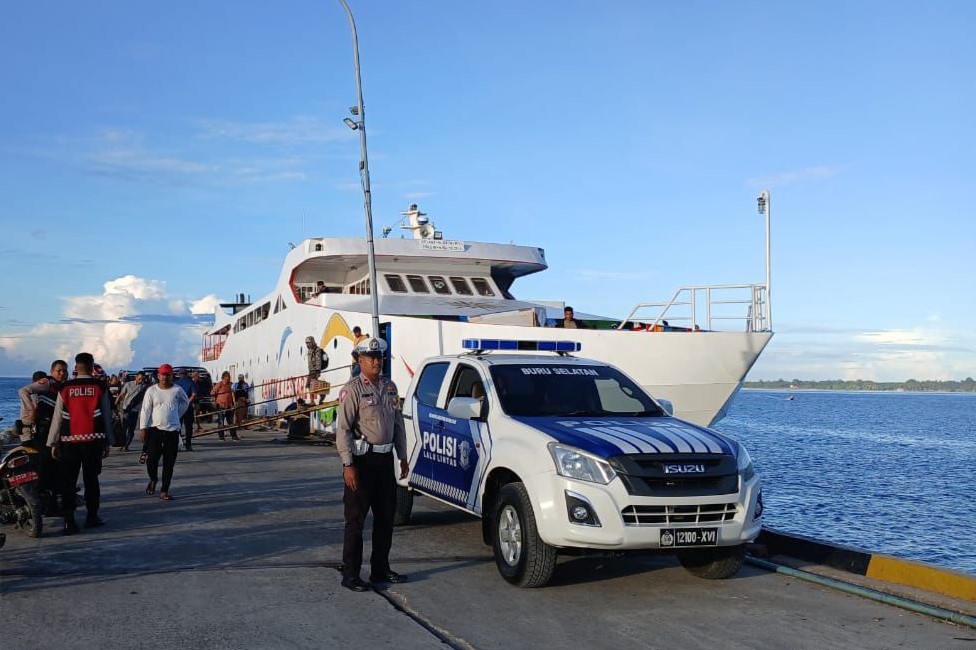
{"points": [[160, 424]]}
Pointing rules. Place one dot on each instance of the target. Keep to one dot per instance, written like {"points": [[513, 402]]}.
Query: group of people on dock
{"points": [[73, 423]]}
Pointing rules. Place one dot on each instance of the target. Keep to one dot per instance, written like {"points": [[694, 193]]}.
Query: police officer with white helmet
{"points": [[370, 428]]}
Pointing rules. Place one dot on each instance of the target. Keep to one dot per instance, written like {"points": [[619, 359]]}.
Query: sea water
{"points": [[891, 473]]}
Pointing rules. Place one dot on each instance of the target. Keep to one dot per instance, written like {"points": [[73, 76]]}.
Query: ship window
{"points": [[417, 284], [440, 286], [482, 287], [461, 286], [396, 283]]}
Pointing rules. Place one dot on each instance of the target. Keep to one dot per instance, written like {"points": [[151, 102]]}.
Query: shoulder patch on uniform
{"points": [[342, 395]]}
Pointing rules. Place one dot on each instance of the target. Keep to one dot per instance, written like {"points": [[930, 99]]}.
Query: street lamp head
{"points": [[351, 124]]}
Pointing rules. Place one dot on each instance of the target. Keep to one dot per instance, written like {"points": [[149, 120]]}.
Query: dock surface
{"points": [[247, 556]]}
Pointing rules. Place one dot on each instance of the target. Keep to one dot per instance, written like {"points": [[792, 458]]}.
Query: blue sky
{"points": [[155, 157]]}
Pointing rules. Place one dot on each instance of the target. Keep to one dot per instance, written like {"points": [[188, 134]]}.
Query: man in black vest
{"points": [[80, 437]]}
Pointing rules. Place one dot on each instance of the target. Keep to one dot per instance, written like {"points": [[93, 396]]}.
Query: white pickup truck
{"points": [[556, 452]]}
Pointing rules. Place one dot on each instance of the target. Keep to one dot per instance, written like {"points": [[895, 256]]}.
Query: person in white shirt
{"points": [[159, 427]]}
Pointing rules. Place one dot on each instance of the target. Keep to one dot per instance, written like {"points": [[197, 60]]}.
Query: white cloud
{"points": [[880, 355], [816, 172], [205, 305], [133, 320], [299, 130]]}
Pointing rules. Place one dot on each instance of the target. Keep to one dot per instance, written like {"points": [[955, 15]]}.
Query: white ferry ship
{"points": [[433, 293]]}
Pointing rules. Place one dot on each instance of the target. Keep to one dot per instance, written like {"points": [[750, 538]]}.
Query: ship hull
{"points": [[699, 372]]}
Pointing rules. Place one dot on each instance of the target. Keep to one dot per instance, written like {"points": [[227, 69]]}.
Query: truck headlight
{"points": [[575, 463], [744, 462]]}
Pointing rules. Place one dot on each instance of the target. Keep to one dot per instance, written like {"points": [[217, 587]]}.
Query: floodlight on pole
{"points": [[360, 112], [765, 209]]}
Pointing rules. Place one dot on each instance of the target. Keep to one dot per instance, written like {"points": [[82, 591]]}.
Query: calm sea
{"points": [[890, 473]]}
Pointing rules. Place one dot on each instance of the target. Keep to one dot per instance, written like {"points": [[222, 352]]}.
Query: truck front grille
{"points": [[647, 475], [705, 513]]}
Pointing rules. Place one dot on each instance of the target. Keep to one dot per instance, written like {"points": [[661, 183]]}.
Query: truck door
{"points": [[424, 426], [463, 444]]}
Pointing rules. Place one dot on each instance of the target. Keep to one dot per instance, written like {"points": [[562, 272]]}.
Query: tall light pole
{"points": [[764, 209], [359, 112]]}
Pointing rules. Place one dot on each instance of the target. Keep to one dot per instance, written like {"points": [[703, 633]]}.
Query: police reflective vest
{"points": [[81, 413]]}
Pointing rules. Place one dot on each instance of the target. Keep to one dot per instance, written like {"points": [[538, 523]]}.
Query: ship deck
{"points": [[247, 556]]}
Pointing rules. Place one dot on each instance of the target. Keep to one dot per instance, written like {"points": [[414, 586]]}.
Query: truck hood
{"points": [[606, 437]]}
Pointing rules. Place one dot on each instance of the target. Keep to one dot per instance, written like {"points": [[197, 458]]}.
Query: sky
{"points": [[156, 158]]}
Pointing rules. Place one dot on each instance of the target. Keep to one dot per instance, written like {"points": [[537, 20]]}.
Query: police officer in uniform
{"points": [[370, 429], [80, 437]]}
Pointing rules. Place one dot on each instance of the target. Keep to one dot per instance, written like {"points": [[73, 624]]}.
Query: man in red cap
{"points": [[160, 424]]}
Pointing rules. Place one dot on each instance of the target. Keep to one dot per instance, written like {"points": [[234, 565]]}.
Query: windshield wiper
{"points": [[583, 413], [643, 414]]}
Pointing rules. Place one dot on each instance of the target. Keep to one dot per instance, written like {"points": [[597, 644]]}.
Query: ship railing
{"points": [[213, 344], [705, 308]]}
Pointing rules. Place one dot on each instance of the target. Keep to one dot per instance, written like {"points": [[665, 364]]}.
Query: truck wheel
{"points": [[522, 557], [713, 563], [403, 506]]}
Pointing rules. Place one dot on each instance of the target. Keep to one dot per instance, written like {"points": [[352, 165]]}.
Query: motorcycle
{"points": [[19, 501]]}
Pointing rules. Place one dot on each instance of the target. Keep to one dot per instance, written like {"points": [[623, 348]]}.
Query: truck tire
{"points": [[713, 563], [521, 556], [403, 506]]}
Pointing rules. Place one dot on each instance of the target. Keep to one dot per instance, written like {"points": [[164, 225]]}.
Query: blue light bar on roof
{"points": [[521, 345]]}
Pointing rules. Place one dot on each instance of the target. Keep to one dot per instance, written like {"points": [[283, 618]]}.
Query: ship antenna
{"points": [[359, 112]]}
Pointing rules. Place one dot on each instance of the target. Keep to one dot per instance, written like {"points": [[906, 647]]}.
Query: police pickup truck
{"points": [[556, 452]]}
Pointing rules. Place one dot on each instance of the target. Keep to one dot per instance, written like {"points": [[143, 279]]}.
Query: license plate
{"points": [[678, 537], [20, 479]]}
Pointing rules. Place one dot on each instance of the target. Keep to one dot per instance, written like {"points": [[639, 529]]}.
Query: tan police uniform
{"points": [[370, 428], [371, 412]]}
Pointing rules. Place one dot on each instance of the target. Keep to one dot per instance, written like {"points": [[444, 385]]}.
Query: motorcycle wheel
{"points": [[29, 517]]}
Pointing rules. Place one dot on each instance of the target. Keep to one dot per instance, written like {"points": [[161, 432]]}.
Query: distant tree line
{"points": [[967, 385]]}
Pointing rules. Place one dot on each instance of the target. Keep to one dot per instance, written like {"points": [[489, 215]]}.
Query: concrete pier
{"points": [[247, 555]]}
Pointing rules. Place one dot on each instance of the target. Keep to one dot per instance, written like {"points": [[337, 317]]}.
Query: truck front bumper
{"points": [[628, 522]]}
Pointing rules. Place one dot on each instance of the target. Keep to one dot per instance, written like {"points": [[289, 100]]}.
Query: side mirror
{"points": [[666, 405], [464, 408]]}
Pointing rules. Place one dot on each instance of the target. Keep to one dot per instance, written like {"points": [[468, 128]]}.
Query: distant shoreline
{"points": [[967, 385]]}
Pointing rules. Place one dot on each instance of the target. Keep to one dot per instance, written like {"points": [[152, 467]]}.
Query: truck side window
{"points": [[464, 381], [429, 384]]}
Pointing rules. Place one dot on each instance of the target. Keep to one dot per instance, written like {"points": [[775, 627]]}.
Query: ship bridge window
{"points": [[461, 286], [417, 284], [439, 284], [482, 287], [395, 283]]}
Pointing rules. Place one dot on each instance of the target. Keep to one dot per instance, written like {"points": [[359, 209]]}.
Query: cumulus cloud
{"points": [[134, 321]]}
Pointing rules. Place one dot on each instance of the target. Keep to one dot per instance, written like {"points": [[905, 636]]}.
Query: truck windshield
{"points": [[569, 390]]}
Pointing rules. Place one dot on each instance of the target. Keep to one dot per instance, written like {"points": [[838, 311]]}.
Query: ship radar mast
{"points": [[418, 223]]}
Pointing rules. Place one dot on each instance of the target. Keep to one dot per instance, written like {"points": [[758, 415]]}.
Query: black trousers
{"points": [[85, 457], [377, 491], [225, 418], [165, 444], [130, 419], [187, 423]]}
